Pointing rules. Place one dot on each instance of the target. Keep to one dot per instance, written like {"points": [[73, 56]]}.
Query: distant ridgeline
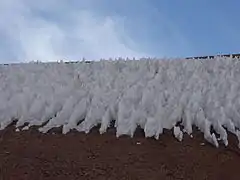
{"points": [[211, 57], [197, 57]]}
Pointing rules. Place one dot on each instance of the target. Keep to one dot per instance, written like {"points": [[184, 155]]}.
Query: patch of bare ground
{"points": [[29, 155]]}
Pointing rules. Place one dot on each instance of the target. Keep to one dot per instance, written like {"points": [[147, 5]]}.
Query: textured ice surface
{"points": [[149, 93]]}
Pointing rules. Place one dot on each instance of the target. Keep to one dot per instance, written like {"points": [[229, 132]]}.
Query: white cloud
{"points": [[73, 34]]}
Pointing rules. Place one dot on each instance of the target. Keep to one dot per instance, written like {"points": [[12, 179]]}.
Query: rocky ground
{"points": [[29, 155]]}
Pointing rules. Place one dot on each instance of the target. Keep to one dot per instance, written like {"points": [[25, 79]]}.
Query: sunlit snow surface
{"points": [[152, 94]]}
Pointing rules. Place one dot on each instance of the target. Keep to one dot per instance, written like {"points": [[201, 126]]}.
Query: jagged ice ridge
{"points": [[153, 94]]}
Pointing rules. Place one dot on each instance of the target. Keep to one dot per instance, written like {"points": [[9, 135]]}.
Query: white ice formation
{"points": [[149, 93]]}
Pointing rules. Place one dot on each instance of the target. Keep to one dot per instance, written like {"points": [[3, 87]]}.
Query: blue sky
{"points": [[49, 30]]}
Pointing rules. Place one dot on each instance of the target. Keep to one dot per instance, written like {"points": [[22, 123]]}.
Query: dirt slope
{"points": [[31, 155]]}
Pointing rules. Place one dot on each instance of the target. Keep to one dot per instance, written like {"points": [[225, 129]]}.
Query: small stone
{"points": [[25, 128]]}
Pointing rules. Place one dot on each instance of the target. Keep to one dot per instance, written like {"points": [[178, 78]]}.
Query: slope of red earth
{"points": [[29, 155]]}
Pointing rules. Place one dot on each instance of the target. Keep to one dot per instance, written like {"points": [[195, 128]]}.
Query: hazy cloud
{"points": [[53, 30]]}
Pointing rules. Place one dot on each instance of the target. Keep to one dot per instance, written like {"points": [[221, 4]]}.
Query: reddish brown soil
{"points": [[30, 155]]}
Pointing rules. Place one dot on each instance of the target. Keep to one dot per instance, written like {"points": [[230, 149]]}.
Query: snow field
{"points": [[153, 94]]}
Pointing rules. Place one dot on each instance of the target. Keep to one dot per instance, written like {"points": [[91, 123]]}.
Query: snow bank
{"points": [[152, 94]]}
